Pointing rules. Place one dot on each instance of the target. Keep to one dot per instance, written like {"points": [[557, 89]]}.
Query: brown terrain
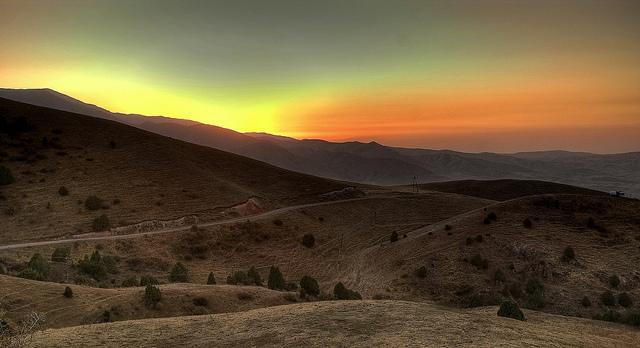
{"points": [[458, 254]]}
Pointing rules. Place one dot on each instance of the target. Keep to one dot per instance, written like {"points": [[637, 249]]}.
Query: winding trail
{"points": [[256, 217]]}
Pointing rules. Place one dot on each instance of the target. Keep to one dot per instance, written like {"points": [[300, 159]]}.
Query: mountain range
{"points": [[372, 163]]}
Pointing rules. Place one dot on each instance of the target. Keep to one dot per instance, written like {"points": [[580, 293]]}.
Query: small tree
{"points": [[608, 299], [625, 300], [179, 274], [527, 223], [152, 295], [101, 223], [394, 237], [68, 293], [238, 278], [499, 276], [211, 279], [93, 203], [60, 255], [37, 268], [421, 272], [510, 309], [586, 302], [63, 191], [6, 177], [129, 282], [340, 292], [614, 281], [276, 279], [309, 287], [568, 254], [308, 240], [148, 280], [254, 276]]}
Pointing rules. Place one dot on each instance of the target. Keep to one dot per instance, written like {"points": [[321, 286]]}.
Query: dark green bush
{"points": [[101, 223], [60, 255], [129, 282], [492, 216], [527, 223], [93, 266], [93, 203], [536, 300], [148, 280], [211, 279], [62, 191], [421, 272], [278, 222], [238, 278], [309, 287], [340, 292], [534, 285], [394, 237], [586, 302], [200, 301], [68, 293], [179, 274], [510, 309], [499, 276], [568, 254], [308, 240], [614, 281], [37, 268], [609, 315], [479, 238], [608, 299], [479, 262], [276, 279], [624, 299], [152, 295], [448, 227], [6, 177], [632, 319], [254, 277]]}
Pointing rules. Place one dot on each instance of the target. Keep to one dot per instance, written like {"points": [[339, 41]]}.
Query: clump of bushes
{"points": [[93, 203], [535, 291], [421, 272], [254, 276], [527, 223], [479, 262], [148, 280], [608, 299], [276, 279], [251, 277], [568, 254], [309, 287], [129, 282], [586, 302], [509, 309], [340, 292], [394, 237], [200, 301], [278, 222], [101, 223], [308, 240], [152, 295], [179, 273], [68, 293], [6, 177], [614, 281], [624, 299], [448, 227], [60, 255], [211, 279], [96, 265], [37, 268], [63, 191], [490, 217], [499, 276]]}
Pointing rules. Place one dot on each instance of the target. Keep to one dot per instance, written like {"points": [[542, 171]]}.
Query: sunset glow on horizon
{"points": [[474, 76]]}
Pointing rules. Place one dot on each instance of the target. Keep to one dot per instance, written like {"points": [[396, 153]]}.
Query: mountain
{"points": [[373, 163]]}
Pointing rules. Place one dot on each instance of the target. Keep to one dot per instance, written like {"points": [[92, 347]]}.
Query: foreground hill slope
{"points": [[349, 324], [136, 175]]}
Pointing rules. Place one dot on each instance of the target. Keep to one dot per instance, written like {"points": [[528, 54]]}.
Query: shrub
{"points": [[148, 280], [93, 203], [200, 301], [527, 223], [534, 285], [238, 277], [633, 319], [29, 273], [101, 223], [499, 276], [486, 221], [394, 237], [254, 277], [479, 238], [614, 281], [6, 177], [93, 266], [492, 216], [276, 279], [112, 144], [536, 300], [129, 282], [179, 274], [68, 293], [308, 240], [609, 315], [152, 295], [199, 310], [469, 240], [211, 279], [37, 268], [607, 298], [340, 292], [568, 254], [625, 300], [586, 302], [60, 255], [479, 262], [309, 287], [515, 290], [421, 272], [447, 227], [63, 191], [510, 309], [278, 222]]}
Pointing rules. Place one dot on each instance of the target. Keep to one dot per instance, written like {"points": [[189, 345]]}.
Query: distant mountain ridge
{"points": [[372, 162]]}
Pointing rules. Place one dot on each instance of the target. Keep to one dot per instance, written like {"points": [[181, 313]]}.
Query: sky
{"points": [[500, 76]]}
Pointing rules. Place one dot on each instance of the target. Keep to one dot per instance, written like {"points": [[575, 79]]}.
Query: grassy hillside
{"points": [[137, 175], [349, 324]]}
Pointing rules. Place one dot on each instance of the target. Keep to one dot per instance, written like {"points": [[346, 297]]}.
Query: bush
{"points": [[200, 301], [568, 254], [340, 292], [492, 216], [93, 203], [199, 310], [68, 293], [633, 319], [607, 298], [29, 273], [211, 279], [534, 285], [60, 255], [394, 237], [609, 315], [527, 223], [309, 287], [62, 191], [499, 276], [625, 300], [238, 278], [448, 227], [536, 300], [276, 279], [479, 262], [37, 268], [101, 223], [152, 295], [93, 266], [148, 280], [254, 277], [6, 177], [469, 240], [129, 282], [479, 238], [510, 309], [421, 272], [278, 222], [308, 240], [179, 274], [586, 302], [486, 221], [614, 281]]}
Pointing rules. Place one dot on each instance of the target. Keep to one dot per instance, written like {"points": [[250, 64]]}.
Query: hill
{"points": [[135, 175], [350, 324], [505, 189]]}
